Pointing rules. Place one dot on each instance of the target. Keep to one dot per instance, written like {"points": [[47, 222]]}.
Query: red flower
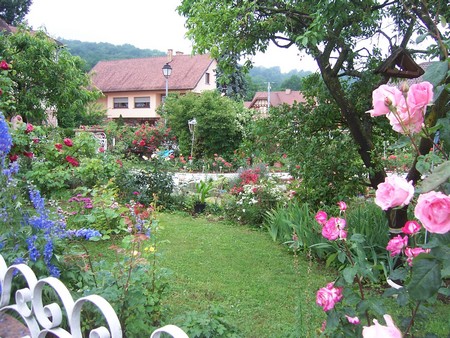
{"points": [[72, 161], [13, 158], [101, 150], [28, 154], [35, 140], [58, 146], [29, 128], [142, 143], [119, 162], [4, 65], [68, 142]]}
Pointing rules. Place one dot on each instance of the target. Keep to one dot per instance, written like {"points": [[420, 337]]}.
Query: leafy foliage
{"points": [[218, 129], [46, 77], [14, 11]]}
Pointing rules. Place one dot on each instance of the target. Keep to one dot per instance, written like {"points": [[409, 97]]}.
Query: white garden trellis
{"points": [[42, 319]]}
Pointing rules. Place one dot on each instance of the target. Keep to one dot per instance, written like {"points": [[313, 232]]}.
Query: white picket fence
{"points": [[42, 319]]}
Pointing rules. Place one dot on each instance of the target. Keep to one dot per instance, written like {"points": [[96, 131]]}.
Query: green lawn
{"points": [[263, 289]]}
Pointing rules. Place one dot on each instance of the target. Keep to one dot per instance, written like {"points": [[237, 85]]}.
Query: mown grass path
{"points": [[264, 290]]}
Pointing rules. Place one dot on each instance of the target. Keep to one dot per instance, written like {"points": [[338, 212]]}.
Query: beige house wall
{"points": [[202, 85], [131, 111]]}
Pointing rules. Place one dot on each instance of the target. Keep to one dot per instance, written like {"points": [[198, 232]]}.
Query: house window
{"points": [[207, 78], [142, 102], [120, 102]]}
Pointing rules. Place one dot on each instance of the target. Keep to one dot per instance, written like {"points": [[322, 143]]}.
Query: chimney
{"points": [[169, 55], [178, 53], [288, 91]]}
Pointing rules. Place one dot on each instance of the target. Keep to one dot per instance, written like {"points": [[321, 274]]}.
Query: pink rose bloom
{"points": [[334, 229], [321, 217], [413, 252], [378, 331], [352, 320], [58, 146], [396, 191], [68, 142], [396, 245], [29, 128], [407, 121], [4, 65], [433, 211], [328, 296], [420, 95], [383, 97], [342, 205], [411, 228]]}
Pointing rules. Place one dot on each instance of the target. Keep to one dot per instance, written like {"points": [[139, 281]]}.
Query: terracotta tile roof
{"points": [[278, 98], [146, 73]]}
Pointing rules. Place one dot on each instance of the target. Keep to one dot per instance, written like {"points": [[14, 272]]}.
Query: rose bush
{"points": [[415, 270]]}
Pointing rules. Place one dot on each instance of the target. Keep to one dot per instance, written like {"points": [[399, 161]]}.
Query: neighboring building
{"points": [[262, 102], [135, 88]]}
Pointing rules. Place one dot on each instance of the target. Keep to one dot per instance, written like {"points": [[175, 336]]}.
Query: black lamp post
{"points": [[167, 70]]}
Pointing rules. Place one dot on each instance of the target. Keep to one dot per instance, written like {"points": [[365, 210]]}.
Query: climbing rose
{"points": [[68, 142], [396, 245], [28, 154], [342, 205], [433, 211], [419, 95], [411, 227], [29, 128], [413, 252], [72, 161], [407, 120], [4, 65], [378, 331], [383, 97], [333, 229], [395, 191], [321, 217], [328, 296], [352, 320]]}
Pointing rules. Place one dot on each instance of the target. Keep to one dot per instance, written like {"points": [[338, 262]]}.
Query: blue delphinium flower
{"points": [[83, 233], [32, 249], [5, 138]]}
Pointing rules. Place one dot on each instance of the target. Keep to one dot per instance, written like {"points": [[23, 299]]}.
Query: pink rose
{"points": [[29, 128], [68, 142], [433, 211], [4, 65], [396, 245], [420, 95], [383, 97], [378, 331], [334, 229], [352, 320], [58, 146], [413, 252], [406, 121], [411, 227], [328, 296], [396, 191], [342, 205], [321, 217]]}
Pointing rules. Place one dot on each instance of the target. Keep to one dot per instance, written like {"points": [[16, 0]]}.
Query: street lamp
{"points": [[192, 123], [167, 70]]}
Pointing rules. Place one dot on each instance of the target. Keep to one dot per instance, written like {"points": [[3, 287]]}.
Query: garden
{"points": [[279, 229]]}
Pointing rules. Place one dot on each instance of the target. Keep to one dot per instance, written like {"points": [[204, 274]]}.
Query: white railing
{"points": [[41, 319]]}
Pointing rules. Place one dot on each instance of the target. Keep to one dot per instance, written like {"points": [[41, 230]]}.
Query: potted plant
{"points": [[203, 190]]}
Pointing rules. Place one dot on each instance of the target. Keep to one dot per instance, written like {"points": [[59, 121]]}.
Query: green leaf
{"points": [[439, 176], [436, 73], [349, 274], [426, 278], [420, 38]]}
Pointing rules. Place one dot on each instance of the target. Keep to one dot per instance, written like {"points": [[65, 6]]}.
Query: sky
{"points": [[142, 23]]}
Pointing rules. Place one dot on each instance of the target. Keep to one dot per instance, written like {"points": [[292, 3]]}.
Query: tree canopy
{"points": [[346, 48], [45, 76], [14, 11]]}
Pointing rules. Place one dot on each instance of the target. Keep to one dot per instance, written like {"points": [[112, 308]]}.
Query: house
{"points": [[262, 101], [134, 88]]}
